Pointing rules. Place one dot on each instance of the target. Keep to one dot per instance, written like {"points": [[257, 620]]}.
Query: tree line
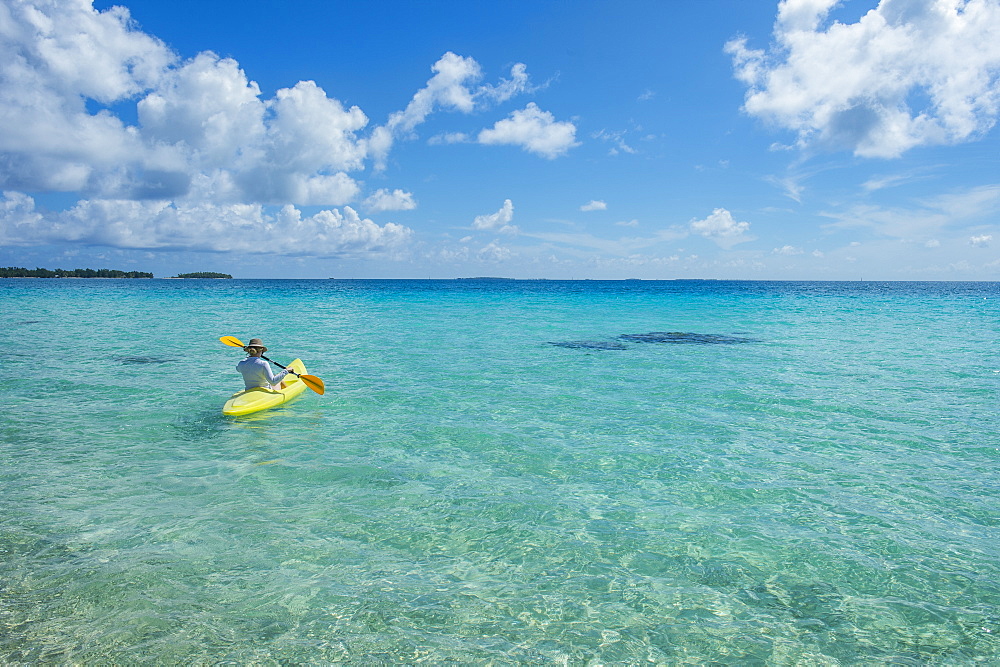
{"points": [[20, 272], [203, 274]]}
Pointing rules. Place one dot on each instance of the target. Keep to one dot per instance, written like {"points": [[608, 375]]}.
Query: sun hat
{"points": [[255, 342]]}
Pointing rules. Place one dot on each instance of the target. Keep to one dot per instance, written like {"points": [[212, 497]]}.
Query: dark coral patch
{"points": [[685, 338], [134, 361]]}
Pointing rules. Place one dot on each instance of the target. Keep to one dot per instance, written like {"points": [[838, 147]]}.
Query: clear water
{"points": [[808, 475]]}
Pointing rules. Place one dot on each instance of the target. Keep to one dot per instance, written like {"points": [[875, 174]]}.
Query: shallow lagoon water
{"points": [[798, 473]]}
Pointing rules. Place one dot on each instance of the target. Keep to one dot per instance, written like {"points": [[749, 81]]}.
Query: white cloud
{"points": [[722, 228], [594, 205], [494, 253], [981, 241], [20, 223], [383, 200], [906, 74], [507, 88], [55, 57], [536, 131], [311, 132], [449, 89], [499, 221], [246, 228], [205, 142], [449, 138], [318, 190], [69, 50], [209, 106], [882, 182], [203, 129], [787, 250]]}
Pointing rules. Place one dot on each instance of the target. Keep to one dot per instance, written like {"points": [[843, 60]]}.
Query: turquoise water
{"points": [[502, 472]]}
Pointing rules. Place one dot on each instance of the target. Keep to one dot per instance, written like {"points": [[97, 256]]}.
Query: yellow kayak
{"points": [[257, 399]]}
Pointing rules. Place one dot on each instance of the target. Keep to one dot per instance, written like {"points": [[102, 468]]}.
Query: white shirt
{"points": [[257, 373]]}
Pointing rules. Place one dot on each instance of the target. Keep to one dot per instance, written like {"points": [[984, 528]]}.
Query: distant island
{"points": [[494, 278], [203, 274], [20, 272]]}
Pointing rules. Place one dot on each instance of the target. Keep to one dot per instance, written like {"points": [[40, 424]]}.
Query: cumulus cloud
{"points": [[722, 228], [55, 57], [981, 241], [248, 228], [534, 130], [594, 205], [20, 223], [383, 200], [206, 153], [494, 253], [203, 129], [72, 51], [450, 88], [497, 221], [208, 105], [311, 132], [447, 88], [906, 74]]}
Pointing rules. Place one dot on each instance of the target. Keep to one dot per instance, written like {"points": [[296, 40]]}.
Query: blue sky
{"points": [[806, 139]]}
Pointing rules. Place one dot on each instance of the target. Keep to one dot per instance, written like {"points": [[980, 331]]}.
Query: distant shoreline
{"points": [[38, 272], [518, 280], [203, 274], [113, 274]]}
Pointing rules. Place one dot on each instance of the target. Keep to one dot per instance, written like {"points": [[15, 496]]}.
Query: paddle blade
{"points": [[232, 341], [313, 383]]}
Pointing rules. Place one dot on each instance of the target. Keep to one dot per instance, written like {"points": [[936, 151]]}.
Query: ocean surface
{"points": [[502, 472]]}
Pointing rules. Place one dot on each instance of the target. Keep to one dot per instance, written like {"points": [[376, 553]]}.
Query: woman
{"points": [[256, 371]]}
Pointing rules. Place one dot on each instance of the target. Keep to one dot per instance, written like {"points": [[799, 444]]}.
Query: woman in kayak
{"points": [[256, 371]]}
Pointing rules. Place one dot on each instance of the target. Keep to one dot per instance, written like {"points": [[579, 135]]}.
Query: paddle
{"points": [[310, 381]]}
